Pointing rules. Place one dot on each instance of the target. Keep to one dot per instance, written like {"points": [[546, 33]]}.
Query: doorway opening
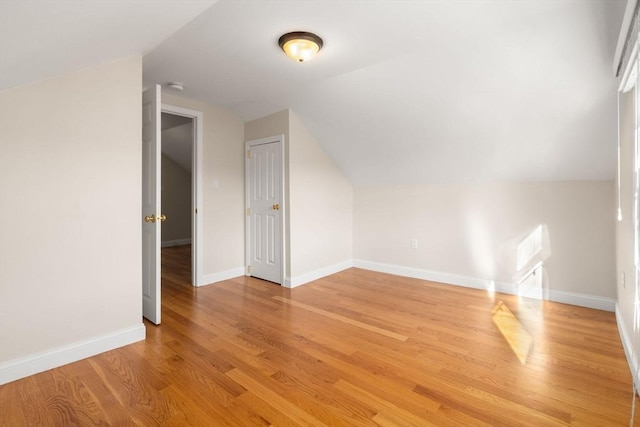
{"points": [[177, 147], [181, 120]]}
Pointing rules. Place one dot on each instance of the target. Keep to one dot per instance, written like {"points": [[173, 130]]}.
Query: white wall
{"points": [[222, 208], [321, 215], [318, 199], [470, 233], [271, 125], [176, 202], [70, 203]]}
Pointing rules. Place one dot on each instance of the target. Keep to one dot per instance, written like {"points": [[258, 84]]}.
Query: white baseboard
{"points": [[177, 242], [209, 279], [582, 300], [434, 276], [627, 344], [30, 365], [292, 282]]}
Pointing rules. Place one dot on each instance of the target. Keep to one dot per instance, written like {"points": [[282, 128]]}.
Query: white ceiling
{"points": [[403, 91], [43, 38]]}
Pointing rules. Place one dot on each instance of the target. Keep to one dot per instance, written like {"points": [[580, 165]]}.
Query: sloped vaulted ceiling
{"points": [[402, 92], [420, 91]]}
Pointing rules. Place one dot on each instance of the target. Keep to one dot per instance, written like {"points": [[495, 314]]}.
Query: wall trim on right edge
{"points": [[627, 345]]}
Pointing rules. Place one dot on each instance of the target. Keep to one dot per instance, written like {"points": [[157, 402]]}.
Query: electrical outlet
{"points": [[414, 243]]}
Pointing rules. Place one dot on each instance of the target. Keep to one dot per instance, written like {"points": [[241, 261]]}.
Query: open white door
{"points": [[151, 151]]}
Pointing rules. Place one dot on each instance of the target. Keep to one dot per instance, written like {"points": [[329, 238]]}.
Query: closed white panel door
{"points": [[265, 207], [151, 217]]}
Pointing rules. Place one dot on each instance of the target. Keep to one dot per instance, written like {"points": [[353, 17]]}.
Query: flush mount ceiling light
{"points": [[300, 45]]}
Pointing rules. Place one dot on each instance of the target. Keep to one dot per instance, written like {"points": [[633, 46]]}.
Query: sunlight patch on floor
{"points": [[513, 332]]}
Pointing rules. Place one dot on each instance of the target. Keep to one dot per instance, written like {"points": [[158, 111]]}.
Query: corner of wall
{"points": [[292, 282]]}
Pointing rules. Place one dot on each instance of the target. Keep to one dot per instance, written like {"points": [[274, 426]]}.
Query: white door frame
{"points": [[196, 188], [284, 208]]}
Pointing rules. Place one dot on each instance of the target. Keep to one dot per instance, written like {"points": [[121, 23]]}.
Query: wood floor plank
{"points": [[357, 348], [191, 410], [107, 406], [301, 384], [392, 391], [387, 413], [343, 319], [135, 384], [273, 416], [72, 403], [277, 401], [30, 411]]}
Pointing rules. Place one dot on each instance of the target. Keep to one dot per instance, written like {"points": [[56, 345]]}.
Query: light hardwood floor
{"points": [[354, 349]]}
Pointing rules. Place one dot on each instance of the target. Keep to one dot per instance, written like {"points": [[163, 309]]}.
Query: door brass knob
{"points": [[276, 207], [154, 218]]}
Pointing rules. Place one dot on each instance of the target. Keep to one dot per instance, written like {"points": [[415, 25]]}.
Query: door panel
{"points": [[151, 150], [265, 202]]}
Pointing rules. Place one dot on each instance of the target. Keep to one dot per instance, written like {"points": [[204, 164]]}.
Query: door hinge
{"points": [[249, 269], [196, 211], [248, 211], [248, 154]]}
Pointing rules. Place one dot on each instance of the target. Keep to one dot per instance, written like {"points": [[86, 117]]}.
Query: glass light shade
{"points": [[300, 46], [300, 50]]}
